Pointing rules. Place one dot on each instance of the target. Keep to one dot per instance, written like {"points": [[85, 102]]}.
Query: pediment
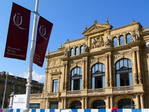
{"points": [[96, 27]]}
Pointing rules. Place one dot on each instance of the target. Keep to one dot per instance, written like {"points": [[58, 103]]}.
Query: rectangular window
{"points": [[55, 86], [54, 105]]}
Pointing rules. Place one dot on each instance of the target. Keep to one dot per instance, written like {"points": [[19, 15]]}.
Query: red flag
{"points": [[17, 38], [43, 35]]}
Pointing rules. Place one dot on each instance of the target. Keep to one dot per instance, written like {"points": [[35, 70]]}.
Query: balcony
{"points": [[127, 89], [54, 94], [99, 91]]}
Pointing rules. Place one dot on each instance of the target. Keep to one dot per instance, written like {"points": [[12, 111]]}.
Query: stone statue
{"points": [[66, 52], [108, 43], [86, 49], [134, 37]]}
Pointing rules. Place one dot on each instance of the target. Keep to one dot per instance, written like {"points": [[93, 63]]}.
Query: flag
{"points": [[18, 32], [43, 34]]}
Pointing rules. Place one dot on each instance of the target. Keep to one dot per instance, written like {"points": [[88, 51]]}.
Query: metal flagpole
{"points": [[33, 41]]}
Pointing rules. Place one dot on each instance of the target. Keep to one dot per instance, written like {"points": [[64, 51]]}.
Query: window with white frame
{"points": [[76, 78], [55, 86], [98, 76], [124, 72]]}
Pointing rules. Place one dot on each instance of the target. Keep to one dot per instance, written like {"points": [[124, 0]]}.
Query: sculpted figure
{"points": [[86, 49], [66, 52], [134, 37], [108, 43], [97, 42]]}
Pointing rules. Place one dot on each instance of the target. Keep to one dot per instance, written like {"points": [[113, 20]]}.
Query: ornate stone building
{"points": [[106, 68]]}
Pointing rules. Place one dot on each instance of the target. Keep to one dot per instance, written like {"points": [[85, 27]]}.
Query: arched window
{"points": [[126, 103], [71, 52], [82, 49], [98, 76], [76, 78], [76, 105], [128, 38], [121, 40], [115, 42], [124, 73], [98, 104], [76, 51]]}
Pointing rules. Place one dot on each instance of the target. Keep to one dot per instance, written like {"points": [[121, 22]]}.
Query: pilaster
{"points": [[110, 69], [137, 104], [134, 68], [139, 67], [142, 101]]}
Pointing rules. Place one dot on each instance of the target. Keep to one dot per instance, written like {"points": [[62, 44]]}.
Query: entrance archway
{"points": [[125, 103], [76, 105], [98, 104]]}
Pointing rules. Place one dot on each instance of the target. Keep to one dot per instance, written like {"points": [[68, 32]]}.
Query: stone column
{"points": [[139, 67], [85, 81], [108, 102], [86, 105], [142, 101], [46, 103], [137, 104], [63, 103], [83, 103], [65, 76], [125, 39], [111, 101], [134, 68], [83, 75]]}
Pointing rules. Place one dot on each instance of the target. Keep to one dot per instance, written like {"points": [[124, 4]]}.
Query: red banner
{"points": [[43, 34], [17, 38]]}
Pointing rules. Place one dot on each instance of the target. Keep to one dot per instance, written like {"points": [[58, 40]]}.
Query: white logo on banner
{"points": [[43, 31], [17, 19]]}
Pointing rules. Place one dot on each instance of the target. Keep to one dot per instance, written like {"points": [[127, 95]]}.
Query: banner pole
{"points": [[33, 42]]}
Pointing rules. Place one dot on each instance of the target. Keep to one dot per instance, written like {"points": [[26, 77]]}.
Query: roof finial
{"points": [[85, 27], [107, 21], [95, 21], [133, 21], [48, 51], [61, 45], [67, 41]]}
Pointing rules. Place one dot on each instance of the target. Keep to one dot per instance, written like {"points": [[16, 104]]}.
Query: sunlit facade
{"points": [[106, 68]]}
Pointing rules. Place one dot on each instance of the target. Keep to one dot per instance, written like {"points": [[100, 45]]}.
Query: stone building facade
{"points": [[106, 68], [15, 84]]}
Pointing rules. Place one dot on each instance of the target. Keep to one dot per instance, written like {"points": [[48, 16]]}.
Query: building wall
{"points": [[17, 85], [98, 48]]}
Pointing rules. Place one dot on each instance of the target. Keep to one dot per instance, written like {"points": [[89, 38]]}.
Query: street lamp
{"points": [[4, 94]]}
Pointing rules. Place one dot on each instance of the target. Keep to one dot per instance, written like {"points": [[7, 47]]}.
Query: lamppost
{"points": [[5, 88]]}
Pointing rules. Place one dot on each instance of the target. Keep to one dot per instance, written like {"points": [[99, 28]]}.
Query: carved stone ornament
{"points": [[76, 63], [97, 42], [108, 43], [55, 62], [128, 53], [98, 59], [86, 48], [135, 37]]}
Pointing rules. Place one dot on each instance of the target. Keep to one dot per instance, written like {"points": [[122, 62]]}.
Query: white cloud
{"points": [[35, 76]]}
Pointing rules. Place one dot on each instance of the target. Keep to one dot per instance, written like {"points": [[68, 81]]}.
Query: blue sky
{"points": [[69, 18]]}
